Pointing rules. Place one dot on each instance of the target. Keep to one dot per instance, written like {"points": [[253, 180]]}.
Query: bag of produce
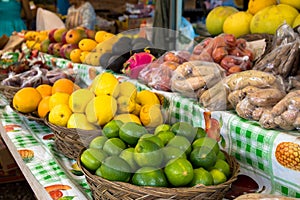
{"points": [[231, 53], [192, 78], [283, 59], [158, 74]]}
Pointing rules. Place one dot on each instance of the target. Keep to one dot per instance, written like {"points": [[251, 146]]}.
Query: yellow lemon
{"points": [[126, 117], [137, 109], [79, 99], [60, 114], [79, 120], [238, 23], [105, 83], [151, 115], [128, 89], [125, 104], [294, 3], [91, 112], [147, 97], [296, 21], [103, 107], [255, 5], [58, 98]]}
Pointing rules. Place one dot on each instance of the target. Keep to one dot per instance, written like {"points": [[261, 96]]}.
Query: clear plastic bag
{"points": [[191, 77], [37, 76], [283, 59], [158, 74], [231, 53]]}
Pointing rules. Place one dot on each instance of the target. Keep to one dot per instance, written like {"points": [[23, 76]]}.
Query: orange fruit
{"points": [[75, 55], [26, 100], [43, 107], [58, 98], [63, 85], [44, 90]]}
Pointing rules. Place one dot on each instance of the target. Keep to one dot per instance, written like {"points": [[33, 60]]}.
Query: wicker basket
{"points": [[3, 76], [70, 141], [114, 190], [9, 91], [31, 116]]}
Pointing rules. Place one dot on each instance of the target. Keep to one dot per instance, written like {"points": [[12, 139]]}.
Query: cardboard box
{"points": [[189, 4], [7, 162]]}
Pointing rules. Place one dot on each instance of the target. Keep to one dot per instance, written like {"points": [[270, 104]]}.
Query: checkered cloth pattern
{"points": [[251, 145], [48, 165]]}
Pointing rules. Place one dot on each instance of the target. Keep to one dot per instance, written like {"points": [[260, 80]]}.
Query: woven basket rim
{"points": [[3, 76], [8, 87], [70, 141], [9, 91], [31, 116], [59, 129], [162, 190]]}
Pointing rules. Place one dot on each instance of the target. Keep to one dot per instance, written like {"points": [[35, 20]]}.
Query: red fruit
{"points": [[136, 63]]}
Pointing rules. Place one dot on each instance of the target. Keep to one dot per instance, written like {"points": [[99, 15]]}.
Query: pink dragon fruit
{"points": [[136, 63]]}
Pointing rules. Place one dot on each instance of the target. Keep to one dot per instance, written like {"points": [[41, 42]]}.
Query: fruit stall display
{"points": [[249, 84], [170, 162]]}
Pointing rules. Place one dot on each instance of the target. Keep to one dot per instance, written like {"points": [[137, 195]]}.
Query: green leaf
{"points": [[66, 198], [221, 121], [223, 142], [76, 172]]}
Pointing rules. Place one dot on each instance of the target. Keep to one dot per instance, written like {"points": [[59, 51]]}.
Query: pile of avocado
{"points": [[123, 49]]}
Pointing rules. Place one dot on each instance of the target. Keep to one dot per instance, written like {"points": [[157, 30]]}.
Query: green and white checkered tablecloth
{"points": [[48, 165], [253, 147]]}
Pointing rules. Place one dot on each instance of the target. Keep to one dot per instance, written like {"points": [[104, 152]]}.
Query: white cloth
{"points": [[47, 20]]}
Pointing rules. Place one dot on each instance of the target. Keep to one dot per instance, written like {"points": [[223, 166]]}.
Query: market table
{"points": [[253, 147]]}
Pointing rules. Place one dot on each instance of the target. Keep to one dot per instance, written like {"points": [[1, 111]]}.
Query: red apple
{"points": [[51, 35], [68, 50]]}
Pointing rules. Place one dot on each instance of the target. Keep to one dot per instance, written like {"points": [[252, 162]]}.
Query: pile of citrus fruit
{"points": [[260, 17], [177, 155], [90, 108]]}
